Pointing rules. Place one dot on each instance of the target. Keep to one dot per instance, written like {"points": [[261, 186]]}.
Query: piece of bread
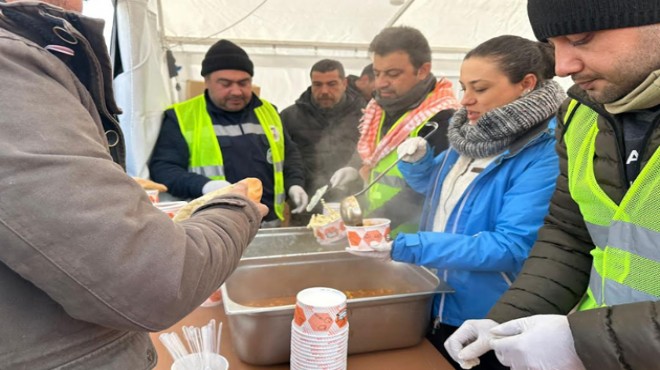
{"points": [[254, 192], [150, 185]]}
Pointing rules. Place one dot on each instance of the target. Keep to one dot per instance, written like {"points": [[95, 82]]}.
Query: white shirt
{"points": [[458, 179]]}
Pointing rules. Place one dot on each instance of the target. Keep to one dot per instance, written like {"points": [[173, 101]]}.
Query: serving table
{"points": [[286, 241], [420, 357]]}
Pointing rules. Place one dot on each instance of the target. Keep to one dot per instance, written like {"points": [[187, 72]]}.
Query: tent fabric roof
{"points": [[455, 25]]}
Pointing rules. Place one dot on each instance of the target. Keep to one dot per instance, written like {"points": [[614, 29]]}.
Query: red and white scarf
{"points": [[441, 98]]}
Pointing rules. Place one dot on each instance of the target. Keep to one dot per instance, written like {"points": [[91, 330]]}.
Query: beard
{"points": [[627, 72]]}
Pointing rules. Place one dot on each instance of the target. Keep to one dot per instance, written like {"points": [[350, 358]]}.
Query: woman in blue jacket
{"points": [[487, 195]]}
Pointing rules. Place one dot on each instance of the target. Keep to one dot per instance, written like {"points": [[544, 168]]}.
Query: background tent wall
{"points": [[140, 89]]}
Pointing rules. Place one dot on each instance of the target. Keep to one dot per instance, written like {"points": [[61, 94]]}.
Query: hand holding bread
{"points": [[249, 187]]}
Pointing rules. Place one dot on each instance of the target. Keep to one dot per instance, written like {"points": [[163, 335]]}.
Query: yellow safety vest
{"points": [[392, 183], [626, 257], [205, 153]]}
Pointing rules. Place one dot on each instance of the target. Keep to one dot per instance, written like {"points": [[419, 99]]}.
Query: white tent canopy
{"points": [[283, 38]]}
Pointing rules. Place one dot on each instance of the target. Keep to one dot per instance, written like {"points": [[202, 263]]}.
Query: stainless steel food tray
{"points": [[261, 335], [288, 240]]}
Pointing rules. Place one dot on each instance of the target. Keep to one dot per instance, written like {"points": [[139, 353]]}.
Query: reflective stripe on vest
{"points": [[205, 153], [392, 183], [626, 257]]}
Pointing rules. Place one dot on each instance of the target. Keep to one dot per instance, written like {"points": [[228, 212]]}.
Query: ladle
{"points": [[349, 207]]}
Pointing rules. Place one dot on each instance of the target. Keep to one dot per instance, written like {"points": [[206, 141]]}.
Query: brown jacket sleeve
{"points": [[77, 227]]}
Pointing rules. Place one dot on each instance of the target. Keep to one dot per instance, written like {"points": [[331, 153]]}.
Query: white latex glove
{"points": [[214, 185], [540, 342], [343, 176], [412, 150], [298, 197], [382, 251], [470, 341]]}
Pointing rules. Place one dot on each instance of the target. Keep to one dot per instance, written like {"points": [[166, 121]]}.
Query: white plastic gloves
{"points": [[214, 185], [299, 198], [540, 342], [343, 176], [470, 341], [382, 251], [412, 150]]}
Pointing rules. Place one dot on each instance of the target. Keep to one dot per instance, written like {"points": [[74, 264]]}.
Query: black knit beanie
{"points": [[224, 54], [551, 18]]}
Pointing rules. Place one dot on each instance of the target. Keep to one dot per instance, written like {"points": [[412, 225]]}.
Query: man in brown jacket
{"points": [[87, 265], [588, 296]]}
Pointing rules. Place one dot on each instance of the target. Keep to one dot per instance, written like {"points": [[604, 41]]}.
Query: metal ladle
{"points": [[349, 207]]}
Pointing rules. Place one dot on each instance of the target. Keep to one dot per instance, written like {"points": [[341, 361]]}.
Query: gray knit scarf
{"points": [[498, 128]]}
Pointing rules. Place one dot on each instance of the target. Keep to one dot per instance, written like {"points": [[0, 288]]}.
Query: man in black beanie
{"points": [[588, 295], [227, 134]]}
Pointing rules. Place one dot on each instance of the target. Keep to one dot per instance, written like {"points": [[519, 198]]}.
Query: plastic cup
{"points": [[171, 208], [373, 232], [195, 361], [153, 195]]}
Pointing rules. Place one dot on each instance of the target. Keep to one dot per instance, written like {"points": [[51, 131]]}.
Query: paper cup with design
{"points": [[373, 232], [330, 233], [320, 312], [170, 208], [213, 300], [153, 195], [328, 228]]}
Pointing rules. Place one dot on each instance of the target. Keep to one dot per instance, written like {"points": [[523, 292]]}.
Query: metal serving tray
{"points": [[288, 240], [262, 335]]}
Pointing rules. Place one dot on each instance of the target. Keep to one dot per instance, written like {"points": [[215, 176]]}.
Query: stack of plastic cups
{"points": [[319, 331]]}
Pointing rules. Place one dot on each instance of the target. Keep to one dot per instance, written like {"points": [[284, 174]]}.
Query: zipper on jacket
{"points": [[441, 306], [647, 138], [506, 278], [497, 161], [429, 202]]}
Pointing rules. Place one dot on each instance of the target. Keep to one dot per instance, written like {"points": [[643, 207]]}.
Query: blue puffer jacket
{"points": [[491, 229]]}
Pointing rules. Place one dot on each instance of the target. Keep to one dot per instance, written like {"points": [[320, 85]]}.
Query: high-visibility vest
{"points": [[626, 257], [393, 182], [205, 152]]}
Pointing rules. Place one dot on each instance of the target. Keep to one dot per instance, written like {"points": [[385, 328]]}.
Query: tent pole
{"points": [[399, 13], [161, 33]]}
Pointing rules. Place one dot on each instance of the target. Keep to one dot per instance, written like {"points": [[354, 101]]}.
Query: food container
{"points": [[331, 232], [215, 299], [330, 207], [261, 335], [170, 208], [153, 195], [373, 232]]}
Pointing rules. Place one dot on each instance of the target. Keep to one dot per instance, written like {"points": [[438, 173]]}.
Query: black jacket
{"points": [[326, 138], [244, 156], [556, 274]]}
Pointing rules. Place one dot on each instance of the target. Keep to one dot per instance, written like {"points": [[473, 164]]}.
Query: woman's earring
{"points": [[526, 91]]}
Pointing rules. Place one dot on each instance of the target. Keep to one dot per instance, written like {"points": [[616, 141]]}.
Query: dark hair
{"points": [[328, 65], [368, 71], [517, 56], [402, 38]]}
